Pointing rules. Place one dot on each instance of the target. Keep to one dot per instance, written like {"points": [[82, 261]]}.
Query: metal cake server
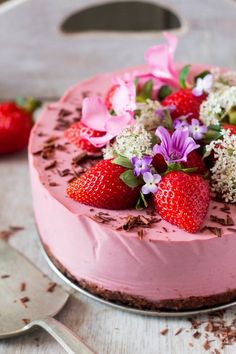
{"points": [[28, 298]]}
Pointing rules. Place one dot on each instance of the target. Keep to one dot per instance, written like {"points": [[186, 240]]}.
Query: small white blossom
{"points": [[217, 104], [222, 80], [223, 173], [148, 116], [133, 141]]}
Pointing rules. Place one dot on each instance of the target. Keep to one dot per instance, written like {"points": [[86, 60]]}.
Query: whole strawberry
{"points": [[102, 187], [182, 200], [15, 126], [194, 160], [185, 103], [75, 132]]}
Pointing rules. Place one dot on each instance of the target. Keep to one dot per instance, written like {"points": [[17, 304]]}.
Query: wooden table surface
{"points": [[37, 68]]}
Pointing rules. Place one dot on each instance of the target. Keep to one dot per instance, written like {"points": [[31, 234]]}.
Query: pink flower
{"points": [[95, 115], [160, 59], [124, 97]]}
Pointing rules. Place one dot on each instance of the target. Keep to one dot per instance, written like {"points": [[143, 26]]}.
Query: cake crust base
{"points": [[138, 302]]}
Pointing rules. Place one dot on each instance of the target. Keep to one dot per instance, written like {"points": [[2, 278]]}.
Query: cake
{"points": [[176, 249]]}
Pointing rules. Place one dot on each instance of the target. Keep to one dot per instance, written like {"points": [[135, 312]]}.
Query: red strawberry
{"points": [[102, 187], [15, 126], [194, 160], [73, 134], [109, 95], [182, 200], [185, 103]]}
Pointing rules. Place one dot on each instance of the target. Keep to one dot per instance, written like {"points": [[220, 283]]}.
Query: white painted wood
{"points": [[39, 60]]}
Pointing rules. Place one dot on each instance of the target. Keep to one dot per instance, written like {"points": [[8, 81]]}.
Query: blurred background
{"points": [[48, 45]]}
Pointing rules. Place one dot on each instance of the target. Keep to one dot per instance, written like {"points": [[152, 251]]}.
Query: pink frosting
{"points": [[167, 263]]}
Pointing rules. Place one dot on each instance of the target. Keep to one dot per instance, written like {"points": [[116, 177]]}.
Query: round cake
{"points": [[162, 234]]}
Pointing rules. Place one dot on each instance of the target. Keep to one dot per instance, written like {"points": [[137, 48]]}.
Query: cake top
{"points": [[154, 144]]}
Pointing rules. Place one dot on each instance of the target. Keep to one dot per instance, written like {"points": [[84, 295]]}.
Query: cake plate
{"points": [[127, 308]]}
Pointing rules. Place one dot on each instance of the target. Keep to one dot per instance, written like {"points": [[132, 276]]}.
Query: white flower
{"points": [[133, 141], [223, 173], [148, 116], [217, 105]]}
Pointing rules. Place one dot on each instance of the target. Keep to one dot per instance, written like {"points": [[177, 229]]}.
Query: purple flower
{"points": [[180, 124], [151, 182], [141, 165], [196, 130], [175, 147], [203, 85]]}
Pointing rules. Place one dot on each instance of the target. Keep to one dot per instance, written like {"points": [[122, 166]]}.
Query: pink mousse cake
{"points": [[149, 257]]}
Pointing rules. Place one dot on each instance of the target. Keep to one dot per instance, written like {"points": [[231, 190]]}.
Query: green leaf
{"points": [[164, 91], [146, 91], [232, 116], [201, 75], [122, 161], [141, 203], [183, 75], [129, 179], [29, 104]]}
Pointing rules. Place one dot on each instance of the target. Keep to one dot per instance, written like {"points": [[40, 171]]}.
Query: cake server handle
{"points": [[63, 335]]}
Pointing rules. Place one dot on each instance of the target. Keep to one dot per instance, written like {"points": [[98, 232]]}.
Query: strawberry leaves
{"points": [[183, 75]]}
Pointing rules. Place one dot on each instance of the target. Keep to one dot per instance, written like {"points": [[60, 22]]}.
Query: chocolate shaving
{"points": [[24, 300], [53, 184], [6, 234], [5, 276], [178, 331], [231, 229], [78, 158], [65, 172], [225, 222], [22, 286], [197, 335], [51, 287], [206, 345], [225, 209], [51, 165], [102, 218], [229, 221], [26, 320], [141, 234], [164, 331], [214, 230], [137, 221]]}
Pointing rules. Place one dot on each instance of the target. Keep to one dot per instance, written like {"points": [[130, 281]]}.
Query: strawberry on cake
{"points": [[134, 183]]}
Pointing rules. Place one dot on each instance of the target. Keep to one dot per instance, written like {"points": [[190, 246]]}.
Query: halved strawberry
{"points": [[182, 200], [185, 104], [73, 134], [102, 187]]}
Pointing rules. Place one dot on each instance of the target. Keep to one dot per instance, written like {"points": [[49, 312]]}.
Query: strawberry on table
{"points": [[182, 200], [185, 103], [15, 124], [102, 187]]}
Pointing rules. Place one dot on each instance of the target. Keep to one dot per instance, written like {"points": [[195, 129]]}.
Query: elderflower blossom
{"points": [[133, 141], [148, 116], [217, 104], [222, 80], [223, 179]]}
